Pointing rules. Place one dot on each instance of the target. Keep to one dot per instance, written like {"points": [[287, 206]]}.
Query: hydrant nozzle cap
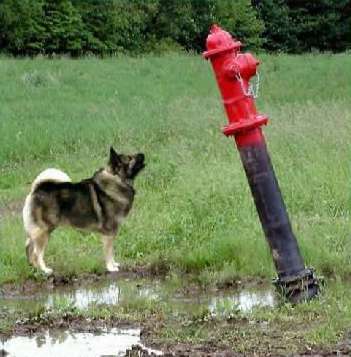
{"points": [[219, 41]]}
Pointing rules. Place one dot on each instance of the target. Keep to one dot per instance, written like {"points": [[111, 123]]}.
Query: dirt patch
{"points": [[217, 349], [183, 350], [206, 349], [12, 208], [238, 336], [219, 346]]}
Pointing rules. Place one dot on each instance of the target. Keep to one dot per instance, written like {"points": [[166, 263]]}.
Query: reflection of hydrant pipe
{"points": [[233, 71]]}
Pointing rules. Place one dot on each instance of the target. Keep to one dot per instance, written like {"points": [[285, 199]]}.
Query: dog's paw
{"points": [[113, 267], [47, 271]]}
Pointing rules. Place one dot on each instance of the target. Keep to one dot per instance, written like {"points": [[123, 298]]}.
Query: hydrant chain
{"points": [[253, 89]]}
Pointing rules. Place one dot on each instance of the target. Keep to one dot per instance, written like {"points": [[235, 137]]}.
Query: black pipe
{"points": [[294, 281]]}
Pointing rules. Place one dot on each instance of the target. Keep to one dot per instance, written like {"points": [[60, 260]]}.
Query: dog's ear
{"points": [[114, 161], [140, 157], [136, 165]]}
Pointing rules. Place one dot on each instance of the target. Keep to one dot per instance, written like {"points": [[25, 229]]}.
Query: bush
{"points": [[64, 28], [120, 26], [301, 26], [191, 21], [20, 26], [115, 26], [239, 18]]}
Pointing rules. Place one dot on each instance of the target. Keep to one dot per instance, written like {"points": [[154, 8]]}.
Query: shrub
{"points": [[239, 18]]}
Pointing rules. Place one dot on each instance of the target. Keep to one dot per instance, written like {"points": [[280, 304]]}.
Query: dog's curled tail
{"points": [[54, 175], [29, 225]]}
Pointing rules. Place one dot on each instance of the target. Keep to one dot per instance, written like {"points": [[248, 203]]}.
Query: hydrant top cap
{"points": [[219, 41]]}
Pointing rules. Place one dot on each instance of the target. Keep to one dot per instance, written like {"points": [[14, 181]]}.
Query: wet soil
{"points": [[182, 350], [134, 340], [71, 325], [60, 342], [217, 347], [116, 288], [140, 272], [112, 290], [54, 281]]}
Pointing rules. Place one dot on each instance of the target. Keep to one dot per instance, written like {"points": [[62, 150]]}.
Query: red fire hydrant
{"points": [[233, 71]]}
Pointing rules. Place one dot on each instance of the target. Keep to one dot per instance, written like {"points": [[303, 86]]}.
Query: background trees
{"points": [[299, 26], [76, 27]]}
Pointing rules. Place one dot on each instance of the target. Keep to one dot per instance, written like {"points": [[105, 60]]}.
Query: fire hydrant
{"points": [[233, 71]]}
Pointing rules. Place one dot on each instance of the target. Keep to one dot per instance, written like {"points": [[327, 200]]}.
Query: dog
{"points": [[98, 204]]}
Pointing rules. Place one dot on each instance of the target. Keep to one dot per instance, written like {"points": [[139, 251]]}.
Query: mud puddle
{"points": [[125, 289], [244, 301], [57, 343], [114, 342], [105, 292]]}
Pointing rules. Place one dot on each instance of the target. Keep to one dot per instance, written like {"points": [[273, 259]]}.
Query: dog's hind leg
{"points": [[35, 248], [111, 265], [29, 250]]}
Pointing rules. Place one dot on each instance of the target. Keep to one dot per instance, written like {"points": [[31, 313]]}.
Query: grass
{"points": [[193, 211]]}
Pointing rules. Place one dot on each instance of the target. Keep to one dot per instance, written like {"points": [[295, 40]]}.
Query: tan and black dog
{"points": [[99, 204]]}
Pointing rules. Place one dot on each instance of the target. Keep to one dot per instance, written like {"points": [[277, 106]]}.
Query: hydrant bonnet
{"points": [[220, 41]]}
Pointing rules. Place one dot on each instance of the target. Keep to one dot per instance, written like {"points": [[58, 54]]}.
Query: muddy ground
{"points": [[56, 281], [153, 326], [172, 349]]}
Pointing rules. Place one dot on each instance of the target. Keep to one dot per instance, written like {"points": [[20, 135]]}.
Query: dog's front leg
{"points": [[111, 265]]}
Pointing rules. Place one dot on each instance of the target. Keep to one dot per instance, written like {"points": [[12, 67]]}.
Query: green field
{"points": [[193, 212]]}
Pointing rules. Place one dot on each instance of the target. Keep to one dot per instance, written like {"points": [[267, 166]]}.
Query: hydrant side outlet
{"points": [[233, 71]]}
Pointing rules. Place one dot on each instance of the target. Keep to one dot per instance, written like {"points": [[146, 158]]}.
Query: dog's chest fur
{"points": [[113, 200]]}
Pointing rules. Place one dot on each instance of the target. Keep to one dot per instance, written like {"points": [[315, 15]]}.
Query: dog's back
{"points": [[74, 204]]}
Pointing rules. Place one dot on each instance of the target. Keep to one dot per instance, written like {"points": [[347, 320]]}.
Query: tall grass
{"points": [[193, 211]]}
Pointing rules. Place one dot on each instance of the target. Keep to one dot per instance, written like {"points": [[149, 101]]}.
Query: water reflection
{"points": [[83, 297], [115, 292], [58, 343], [65, 343], [243, 301]]}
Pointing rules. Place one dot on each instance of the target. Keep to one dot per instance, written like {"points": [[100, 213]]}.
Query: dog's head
{"points": [[126, 166]]}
